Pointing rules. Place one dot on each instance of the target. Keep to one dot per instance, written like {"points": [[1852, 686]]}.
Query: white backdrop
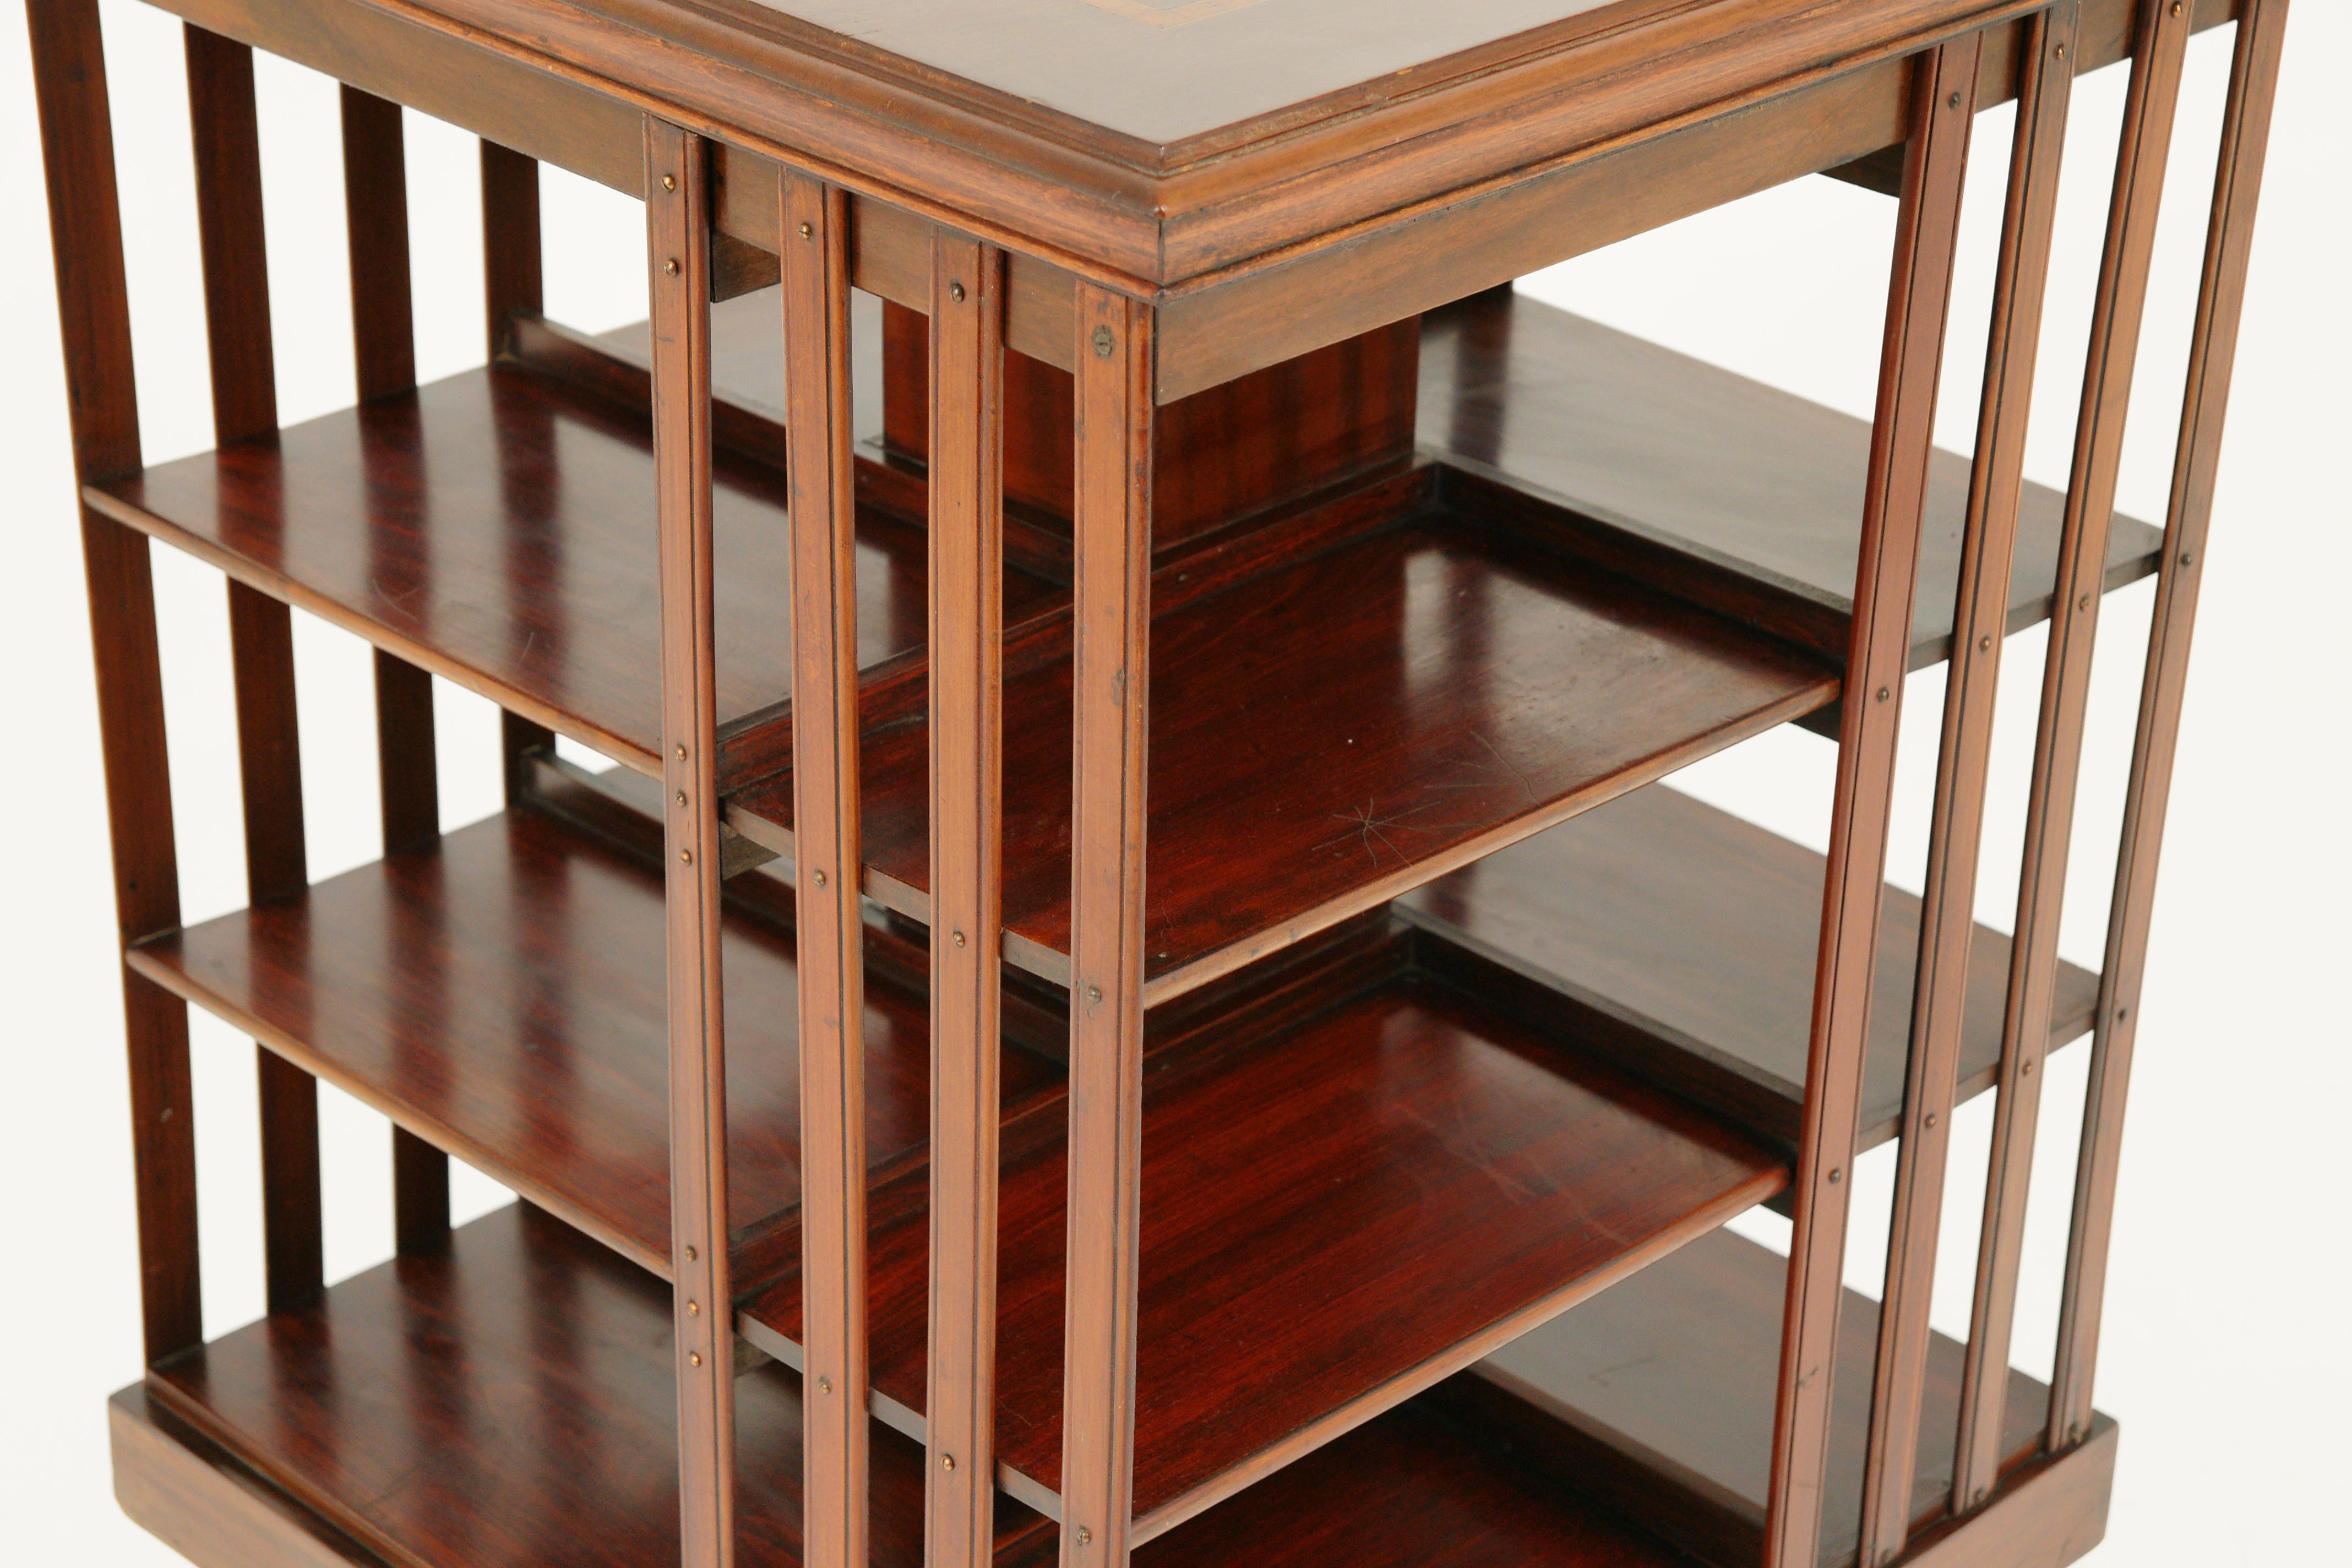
{"points": [[2223, 1354]]}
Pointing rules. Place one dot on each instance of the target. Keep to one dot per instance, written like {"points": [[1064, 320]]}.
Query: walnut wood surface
{"points": [[1671, 1373], [1333, 1219], [1701, 468], [496, 527], [509, 1404], [1690, 934], [1407, 699], [500, 991]]}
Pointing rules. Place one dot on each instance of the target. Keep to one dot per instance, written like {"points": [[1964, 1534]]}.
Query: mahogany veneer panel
{"points": [[1333, 1219], [500, 993], [1334, 728], [1691, 936], [1702, 466], [497, 527], [1672, 1374], [508, 1403]]}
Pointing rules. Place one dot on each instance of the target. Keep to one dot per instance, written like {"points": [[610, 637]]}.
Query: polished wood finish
{"points": [[1391, 743], [510, 1402], [1382, 1191], [965, 371], [94, 320], [2160, 50], [1658, 1393], [499, 993], [1945, 943], [1678, 941], [2237, 189], [825, 649], [1918, 298], [1705, 483]]}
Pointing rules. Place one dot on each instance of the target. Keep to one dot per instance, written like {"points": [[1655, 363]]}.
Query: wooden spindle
{"points": [[1943, 100]]}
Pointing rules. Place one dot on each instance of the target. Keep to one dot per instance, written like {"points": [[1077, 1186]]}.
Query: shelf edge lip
{"points": [[290, 591], [442, 1136]]}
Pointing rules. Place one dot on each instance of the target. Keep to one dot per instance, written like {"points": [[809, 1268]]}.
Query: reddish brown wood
{"points": [[511, 263], [966, 377], [1978, 618], [1918, 297], [94, 320], [1337, 1211], [2161, 48], [1109, 692], [678, 238], [509, 1401], [2254, 84], [1658, 1396], [824, 650], [1678, 941], [375, 224]]}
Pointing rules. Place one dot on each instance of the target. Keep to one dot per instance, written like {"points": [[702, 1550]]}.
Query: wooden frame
{"points": [[1153, 275]]}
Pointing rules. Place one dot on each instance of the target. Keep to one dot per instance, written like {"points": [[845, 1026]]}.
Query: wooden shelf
{"points": [[510, 1402], [500, 993], [1682, 943], [1658, 1393], [1737, 493], [497, 528], [1341, 1204], [1343, 706]]}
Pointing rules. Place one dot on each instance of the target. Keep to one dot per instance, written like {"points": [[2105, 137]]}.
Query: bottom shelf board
{"points": [[1685, 939], [1334, 1217], [1660, 1392], [509, 1403]]}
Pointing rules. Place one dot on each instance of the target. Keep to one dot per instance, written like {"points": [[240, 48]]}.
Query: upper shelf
{"points": [[1701, 480], [1336, 1215], [497, 528], [1342, 707], [1683, 942]]}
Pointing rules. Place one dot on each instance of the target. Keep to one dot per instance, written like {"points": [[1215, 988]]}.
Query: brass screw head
{"points": [[1884, 693], [690, 1253], [1956, 100], [694, 1358], [670, 267], [959, 939], [682, 754], [681, 797], [2188, 558], [2062, 51], [694, 1308], [818, 877], [2084, 603], [825, 1386], [808, 231], [955, 292], [686, 857], [669, 181], [947, 1461], [1836, 1175], [1984, 644], [1084, 1535], [1931, 1120], [1094, 993], [2026, 1067], [1104, 343]]}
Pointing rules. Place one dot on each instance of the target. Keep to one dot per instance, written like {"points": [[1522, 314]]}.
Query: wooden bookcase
{"points": [[1134, 992]]}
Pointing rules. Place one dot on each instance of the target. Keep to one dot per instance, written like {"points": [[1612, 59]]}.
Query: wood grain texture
{"points": [[500, 993], [1478, 689], [1681, 940], [1658, 1393], [507, 1402], [1335, 1216], [491, 528], [1703, 482]]}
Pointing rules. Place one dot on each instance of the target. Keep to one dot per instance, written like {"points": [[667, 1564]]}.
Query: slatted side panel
{"points": [[2253, 83], [1988, 549], [2122, 292], [1943, 95]]}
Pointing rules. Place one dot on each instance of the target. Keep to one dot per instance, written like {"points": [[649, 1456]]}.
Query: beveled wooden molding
{"points": [[192, 1495]]}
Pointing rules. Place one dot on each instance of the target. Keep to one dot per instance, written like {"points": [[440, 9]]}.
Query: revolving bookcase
{"points": [[1133, 990]]}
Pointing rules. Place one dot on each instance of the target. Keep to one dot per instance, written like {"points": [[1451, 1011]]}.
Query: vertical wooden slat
{"points": [[512, 286], [677, 229], [2237, 189], [1112, 592], [384, 340], [967, 562], [814, 246], [227, 144], [94, 320], [2162, 43], [1943, 102], [1988, 549]]}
